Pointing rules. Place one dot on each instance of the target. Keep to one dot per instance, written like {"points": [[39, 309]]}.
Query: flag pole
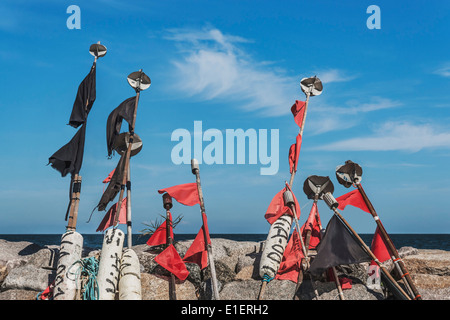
{"points": [[139, 81], [350, 174], [167, 204], [74, 202], [129, 229], [397, 260], [308, 88], [294, 170], [314, 187], [333, 204], [127, 163], [289, 202], [333, 269], [196, 170], [307, 241], [97, 50]]}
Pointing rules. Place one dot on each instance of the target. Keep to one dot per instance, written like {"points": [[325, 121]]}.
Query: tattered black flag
{"points": [[84, 100], [337, 247], [124, 111], [69, 158], [114, 185]]}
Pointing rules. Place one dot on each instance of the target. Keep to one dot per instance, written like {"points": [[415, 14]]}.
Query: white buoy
{"points": [[109, 264], [130, 276], [67, 280], [275, 245]]}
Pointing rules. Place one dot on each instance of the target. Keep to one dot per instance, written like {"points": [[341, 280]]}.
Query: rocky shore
{"points": [[26, 269]]}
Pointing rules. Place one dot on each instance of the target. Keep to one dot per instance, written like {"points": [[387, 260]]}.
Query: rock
{"points": [[12, 250], [155, 288], [426, 261], [407, 251], [36, 273], [27, 269], [14, 254], [241, 290], [249, 290], [357, 292], [15, 294], [28, 277]]}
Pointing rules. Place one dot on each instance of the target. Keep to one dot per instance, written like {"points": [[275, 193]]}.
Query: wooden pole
{"points": [[305, 252], [397, 260], [262, 289], [333, 269], [127, 160], [307, 241], [369, 252], [74, 202], [294, 171], [291, 181], [76, 181], [196, 171], [167, 203]]}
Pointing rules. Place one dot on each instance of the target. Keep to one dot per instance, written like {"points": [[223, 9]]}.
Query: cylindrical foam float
{"points": [[109, 264], [276, 242], [67, 280], [130, 276]]}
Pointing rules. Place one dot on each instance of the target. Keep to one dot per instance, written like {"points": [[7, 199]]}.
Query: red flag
{"points": [[312, 224], [379, 248], [108, 178], [108, 220], [170, 260], [197, 252], [346, 283], [160, 235], [186, 194], [277, 208], [353, 198], [298, 110], [290, 263], [294, 152], [47, 294]]}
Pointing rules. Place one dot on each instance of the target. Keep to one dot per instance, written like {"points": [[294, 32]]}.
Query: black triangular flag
{"points": [[337, 247], [124, 111], [114, 185], [68, 159], [84, 100]]}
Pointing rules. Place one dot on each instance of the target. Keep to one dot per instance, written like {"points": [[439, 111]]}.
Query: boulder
{"points": [[157, 288]]}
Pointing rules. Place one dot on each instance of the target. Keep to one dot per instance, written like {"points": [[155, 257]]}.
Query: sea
{"points": [[418, 241]]}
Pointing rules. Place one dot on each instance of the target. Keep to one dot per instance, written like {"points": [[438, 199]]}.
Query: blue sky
{"points": [[230, 64]]}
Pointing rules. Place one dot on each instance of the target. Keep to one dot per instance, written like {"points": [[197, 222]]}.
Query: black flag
{"points": [[124, 111], [69, 158], [84, 100], [114, 185], [337, 247]]}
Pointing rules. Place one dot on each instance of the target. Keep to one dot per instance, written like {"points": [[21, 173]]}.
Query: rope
{"points": [[267, 279], [89, 268]]}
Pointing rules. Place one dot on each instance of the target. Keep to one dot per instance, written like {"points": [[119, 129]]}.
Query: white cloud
{"points": [[215, 67], [444, 71], [398, 136], [354, 107], [334, 75], [326, 118]]}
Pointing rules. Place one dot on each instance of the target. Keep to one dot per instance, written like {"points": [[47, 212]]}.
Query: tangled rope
{"points": [[89, 269]]}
